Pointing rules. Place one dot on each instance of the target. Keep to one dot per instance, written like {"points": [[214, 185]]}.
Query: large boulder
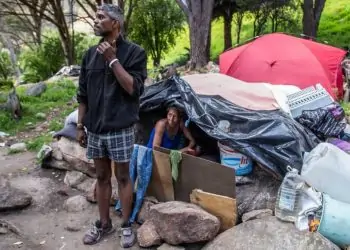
{"points": [[147, 235], [12, 198], [145, 212], [67, 154], [269, 233], [179, 222], [260, 193], [37, 89]]}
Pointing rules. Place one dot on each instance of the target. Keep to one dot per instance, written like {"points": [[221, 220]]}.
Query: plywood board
{"points": [[161, 184], [198, 173], [223, 207]]}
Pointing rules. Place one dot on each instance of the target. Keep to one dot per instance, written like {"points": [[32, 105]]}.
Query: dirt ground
{"points": [[42, 224]]}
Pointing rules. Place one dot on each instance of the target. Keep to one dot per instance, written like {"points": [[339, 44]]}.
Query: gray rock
{"points": [[166, 246], [261, 194], [44, 153], [89, 188], [257, 214], [269, 233], [12, 198], [40, 115], [147, 235], [144, 213], [74, 178], [36, 90], [76, 204], [18, 147], [179, 222], [72, 224], [75, 155], [3, 230]]}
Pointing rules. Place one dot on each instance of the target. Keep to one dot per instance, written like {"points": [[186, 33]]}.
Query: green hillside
{"points": [[334, 29]]}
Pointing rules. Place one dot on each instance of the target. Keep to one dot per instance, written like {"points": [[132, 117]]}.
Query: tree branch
{"points": [[183, 7]]}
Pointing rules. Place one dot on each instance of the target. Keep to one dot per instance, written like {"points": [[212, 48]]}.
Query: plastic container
{"points": [[326, 168], [289, 196], [335, 221], [229, 157]]}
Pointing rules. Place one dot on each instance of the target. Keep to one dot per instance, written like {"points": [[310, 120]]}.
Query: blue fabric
{"points": [[167, 142], [140, 169]]}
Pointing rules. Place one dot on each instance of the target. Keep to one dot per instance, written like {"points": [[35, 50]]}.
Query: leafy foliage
{"points": [[155, 25], [6, 67], [43, 61]]}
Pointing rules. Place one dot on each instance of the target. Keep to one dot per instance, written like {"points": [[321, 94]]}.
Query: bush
{"points": [[42, 62], [6, 67]]}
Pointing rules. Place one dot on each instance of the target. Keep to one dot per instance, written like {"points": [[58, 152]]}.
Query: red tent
{"points": [[282, 59]]}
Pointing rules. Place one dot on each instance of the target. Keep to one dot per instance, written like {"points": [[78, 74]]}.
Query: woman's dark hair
{"points": [[178, 110]]}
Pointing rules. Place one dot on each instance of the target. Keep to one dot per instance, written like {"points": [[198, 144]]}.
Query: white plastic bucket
{"points": [[229, 157]]}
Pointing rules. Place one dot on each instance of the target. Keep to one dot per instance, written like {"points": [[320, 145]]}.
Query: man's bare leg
{"points": [[103, 188], [104, 226], [124, 189], [125, 195]]}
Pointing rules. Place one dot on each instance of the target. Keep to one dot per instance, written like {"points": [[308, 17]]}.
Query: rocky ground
{"points": [[46, 223]]}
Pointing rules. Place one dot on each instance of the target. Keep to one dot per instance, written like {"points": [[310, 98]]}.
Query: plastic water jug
{"points": [[289, 196]]}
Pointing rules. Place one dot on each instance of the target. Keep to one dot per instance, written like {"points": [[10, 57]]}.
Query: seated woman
{"points": [[168, 132]]}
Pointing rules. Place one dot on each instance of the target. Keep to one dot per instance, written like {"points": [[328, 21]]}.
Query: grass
{"points": [[56, 96], [334, 28]]}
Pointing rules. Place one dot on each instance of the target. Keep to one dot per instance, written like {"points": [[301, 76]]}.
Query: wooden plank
{"points": [[161, 184], [198, 173], [223, 207]]}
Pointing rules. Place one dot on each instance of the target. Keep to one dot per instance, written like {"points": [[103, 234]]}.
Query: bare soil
{"points": [[43, 224]]}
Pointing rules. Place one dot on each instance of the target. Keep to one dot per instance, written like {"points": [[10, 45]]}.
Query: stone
{"points": [[257, 214], [91, 194], [76, 204], [18, 147], [144, 213], [75, 155], [40, 115], [37, 89], [12, 198], [147, 235], [74, 178], [260, 194], [269, 233], [44, 153], [72, 224], [179, 222], [89, 188], [166, 246], [3, 230]]}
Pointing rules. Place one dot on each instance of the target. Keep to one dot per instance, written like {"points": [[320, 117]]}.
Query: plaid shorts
{"points": [[117, 146]]}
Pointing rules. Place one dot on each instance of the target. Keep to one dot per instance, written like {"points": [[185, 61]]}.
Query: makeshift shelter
{"points": [[269, 137], [282, 59]]}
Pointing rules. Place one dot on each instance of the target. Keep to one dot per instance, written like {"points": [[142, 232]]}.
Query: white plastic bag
{"points": [[327, 169]]}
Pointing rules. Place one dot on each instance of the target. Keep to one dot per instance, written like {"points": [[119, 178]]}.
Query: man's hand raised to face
{"points": [[107, 50]]}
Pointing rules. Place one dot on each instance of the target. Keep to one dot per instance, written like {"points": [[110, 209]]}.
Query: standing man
{"points": [[110, 84]]}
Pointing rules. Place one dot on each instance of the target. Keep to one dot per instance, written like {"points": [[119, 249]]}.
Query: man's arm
{"points": [[82, 93], [132, 80]]}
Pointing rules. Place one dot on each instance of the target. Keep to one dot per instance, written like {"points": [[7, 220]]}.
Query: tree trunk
{"points": [[199, 19], [311, 16], [227, 30], [239, 23]]}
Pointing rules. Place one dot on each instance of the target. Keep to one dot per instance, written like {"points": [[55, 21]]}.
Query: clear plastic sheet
{"points": [[269, 137]]}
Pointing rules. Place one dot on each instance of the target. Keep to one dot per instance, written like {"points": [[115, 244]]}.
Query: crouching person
{"points": [[169, 131], [110, 84]]}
